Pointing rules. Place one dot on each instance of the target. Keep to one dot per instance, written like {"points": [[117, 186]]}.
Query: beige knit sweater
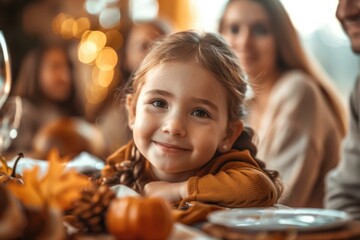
{"points": [[299, 137]]}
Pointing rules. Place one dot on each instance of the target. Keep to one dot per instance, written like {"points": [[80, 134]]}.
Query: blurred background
{"points": [[96, 29]]}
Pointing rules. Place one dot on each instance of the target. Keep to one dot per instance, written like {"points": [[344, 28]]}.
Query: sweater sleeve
{"points": [[237, 184], [343, 183], [295, 155]]}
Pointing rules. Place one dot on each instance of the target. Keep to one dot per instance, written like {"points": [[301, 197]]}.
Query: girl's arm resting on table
{"points": [[173, 192], [242, 187]]}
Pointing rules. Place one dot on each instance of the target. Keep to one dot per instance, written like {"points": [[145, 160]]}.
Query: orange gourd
{"points": [[139, 218], [8, 175]]}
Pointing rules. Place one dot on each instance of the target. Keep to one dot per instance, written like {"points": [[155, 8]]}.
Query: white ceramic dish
{"points": [[300, 219]]}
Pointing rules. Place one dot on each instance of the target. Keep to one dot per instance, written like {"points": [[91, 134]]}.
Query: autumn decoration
{"points": [[9, 175], [139, 218], [40, 200]]}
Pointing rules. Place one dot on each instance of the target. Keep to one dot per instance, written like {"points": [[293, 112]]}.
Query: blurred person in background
{"points": [[70, 136], [343, 183], [140, 37], [48, 90], [298, 117]]}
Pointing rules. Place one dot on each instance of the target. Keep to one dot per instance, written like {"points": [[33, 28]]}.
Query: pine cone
{"points": [[88, 213]]}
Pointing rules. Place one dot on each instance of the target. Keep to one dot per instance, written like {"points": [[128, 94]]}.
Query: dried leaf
{"points": [[58, 188], [55, 154], [4, 167], [28, 193]]}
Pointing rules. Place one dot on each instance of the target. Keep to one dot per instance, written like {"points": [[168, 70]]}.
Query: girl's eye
{"points": [[159, 104], [201, 113]]}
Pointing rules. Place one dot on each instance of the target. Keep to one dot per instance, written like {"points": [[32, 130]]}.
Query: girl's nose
{"points": [[175, 126]]}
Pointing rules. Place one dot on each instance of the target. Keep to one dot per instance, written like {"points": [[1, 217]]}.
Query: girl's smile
{"points": [[170, 148]]}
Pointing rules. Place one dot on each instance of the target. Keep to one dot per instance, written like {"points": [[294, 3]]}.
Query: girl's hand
{"points": [[173, 192]]}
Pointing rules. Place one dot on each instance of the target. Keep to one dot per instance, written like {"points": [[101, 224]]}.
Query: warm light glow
{"points": [[87, 52], [107, 59], [57, 22], [95, 94], [97, 37], [90, 46], [82, 25], [114, 39], [102, 78], [85, 35], [67, 28]]}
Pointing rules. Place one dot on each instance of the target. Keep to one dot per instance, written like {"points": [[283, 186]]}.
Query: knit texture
{"points": [[233, 180]]}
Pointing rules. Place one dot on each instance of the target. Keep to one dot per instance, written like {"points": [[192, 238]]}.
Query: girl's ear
{"points": [[234, 130], [131, 110]]}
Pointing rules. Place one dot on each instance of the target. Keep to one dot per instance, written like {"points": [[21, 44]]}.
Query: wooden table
{"points": [[349, 231]]}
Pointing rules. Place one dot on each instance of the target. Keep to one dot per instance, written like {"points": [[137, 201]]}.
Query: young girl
{"points": [[185, 104]]}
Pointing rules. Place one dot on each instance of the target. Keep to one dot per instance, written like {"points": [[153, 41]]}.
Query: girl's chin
{"points": [[172, 174]]}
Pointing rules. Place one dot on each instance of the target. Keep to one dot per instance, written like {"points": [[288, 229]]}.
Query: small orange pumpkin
{"points": [[139, 218], [7, 174]]}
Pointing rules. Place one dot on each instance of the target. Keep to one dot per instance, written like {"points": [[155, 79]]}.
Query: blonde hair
{"points": [[291, 55], [211, 52]]}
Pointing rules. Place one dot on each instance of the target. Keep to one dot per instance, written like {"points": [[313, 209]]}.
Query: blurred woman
{"points": [[139, 39], [48, 90], [297, 115]]}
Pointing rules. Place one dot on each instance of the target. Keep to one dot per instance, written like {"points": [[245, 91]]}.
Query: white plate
{"points": [[301, 219]]}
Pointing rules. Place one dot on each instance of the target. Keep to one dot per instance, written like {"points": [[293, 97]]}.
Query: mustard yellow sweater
{"points": [[232, 180]]}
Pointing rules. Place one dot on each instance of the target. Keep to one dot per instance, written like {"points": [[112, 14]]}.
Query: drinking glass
{"points": [[5, 71], [10, 108], [10, 116]]}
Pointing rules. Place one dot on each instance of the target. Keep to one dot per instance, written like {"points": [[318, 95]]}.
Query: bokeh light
{"points": [[107, 59], [82, 25], [114, 39], [94, 7], [57, 22], [67, 26], [144, 9], [102, 78], [109, 17], [95, 94], [90, 46]]}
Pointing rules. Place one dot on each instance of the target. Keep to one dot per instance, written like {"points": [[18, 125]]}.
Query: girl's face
{"points": [[246, 26], [180, 119], [55, 80]]}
